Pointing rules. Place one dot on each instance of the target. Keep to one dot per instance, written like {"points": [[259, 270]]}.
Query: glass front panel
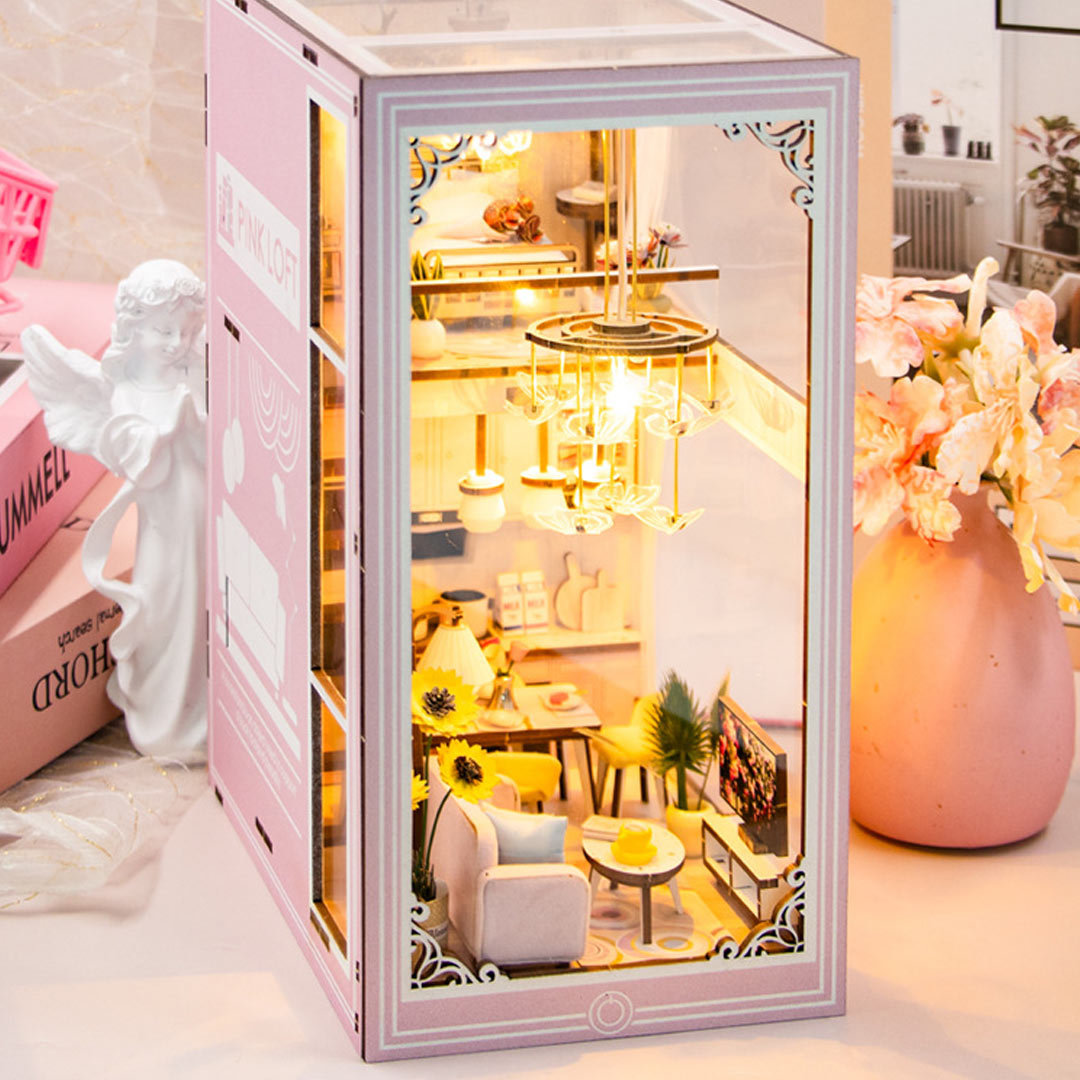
{"points": [[328, 526], [328, 301], [332, 869], [608, 494]]}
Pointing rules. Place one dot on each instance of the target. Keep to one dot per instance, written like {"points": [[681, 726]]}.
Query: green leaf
{"points": [[676, 732]]}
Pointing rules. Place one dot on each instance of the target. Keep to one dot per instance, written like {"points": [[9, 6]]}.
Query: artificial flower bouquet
{"points": [[444, 706], [654, 251], [997, 401]]}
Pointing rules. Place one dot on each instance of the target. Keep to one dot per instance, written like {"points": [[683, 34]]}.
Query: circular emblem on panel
{"points": [[611, 1012]]}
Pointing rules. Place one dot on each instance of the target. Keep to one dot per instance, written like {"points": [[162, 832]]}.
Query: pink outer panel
{"points": [[260, 85]]}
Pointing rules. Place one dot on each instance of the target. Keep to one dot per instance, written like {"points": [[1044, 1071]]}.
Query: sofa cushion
{"points": [[528, 838]]}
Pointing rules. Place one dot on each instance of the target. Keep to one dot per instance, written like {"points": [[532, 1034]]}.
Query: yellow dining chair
{"points": [[535, 775], [623, 746]]}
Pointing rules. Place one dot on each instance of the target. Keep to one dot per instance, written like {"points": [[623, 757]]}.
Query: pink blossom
{"points": [[666, 234], [891, 439], [887, 326], [1059, 402], [1037, 316]]}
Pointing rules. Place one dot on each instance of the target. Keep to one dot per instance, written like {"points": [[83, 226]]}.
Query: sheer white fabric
{"points": [[69, 827]]}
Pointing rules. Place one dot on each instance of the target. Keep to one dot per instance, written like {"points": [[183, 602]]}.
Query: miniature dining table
{"points": [[540, 722]]}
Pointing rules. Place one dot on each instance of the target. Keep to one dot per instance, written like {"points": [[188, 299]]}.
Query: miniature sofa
{"points": [[508, 914]]}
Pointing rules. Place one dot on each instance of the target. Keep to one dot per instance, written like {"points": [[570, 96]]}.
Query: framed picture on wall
{"points": [[1043, 16]]}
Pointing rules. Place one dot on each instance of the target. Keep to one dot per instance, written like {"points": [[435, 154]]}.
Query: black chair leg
{"points": [[643, 777], [616, 794], [562, 772]]}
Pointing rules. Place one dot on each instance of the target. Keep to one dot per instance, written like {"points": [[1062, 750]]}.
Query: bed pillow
{"points": [[528, 838]]}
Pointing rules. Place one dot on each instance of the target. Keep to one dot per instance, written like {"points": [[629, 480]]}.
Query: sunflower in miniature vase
{"points": [[419, 790], [468, 772], [442, 704]]}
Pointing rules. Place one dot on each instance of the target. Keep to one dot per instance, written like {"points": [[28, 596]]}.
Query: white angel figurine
{"points": [[141, 412]]}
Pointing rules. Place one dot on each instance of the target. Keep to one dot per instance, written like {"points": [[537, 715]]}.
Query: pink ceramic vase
{"points": [[963, 709]]}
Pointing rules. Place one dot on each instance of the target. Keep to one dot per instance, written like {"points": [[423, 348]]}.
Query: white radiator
{"points": [[934, 214]]}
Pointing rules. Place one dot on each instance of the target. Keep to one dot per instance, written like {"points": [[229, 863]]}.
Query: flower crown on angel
{"points": [[160, 283]]}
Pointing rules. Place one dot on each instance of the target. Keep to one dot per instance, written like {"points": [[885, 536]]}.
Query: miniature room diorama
{"points": [[527, 502]]}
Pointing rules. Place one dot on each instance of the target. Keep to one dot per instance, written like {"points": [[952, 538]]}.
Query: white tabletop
{"points": [[536, 715], [959, 965], [669, 855]]}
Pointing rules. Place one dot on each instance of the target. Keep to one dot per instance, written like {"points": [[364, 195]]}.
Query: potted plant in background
{"points": [[678, 737], [913, 126], [950, 132], [1054, 181], [426, 334]]}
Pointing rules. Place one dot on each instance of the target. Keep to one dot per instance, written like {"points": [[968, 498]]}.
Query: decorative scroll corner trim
{"points": [[430, 967], [794, 140], [429, 160], [783, 933]]}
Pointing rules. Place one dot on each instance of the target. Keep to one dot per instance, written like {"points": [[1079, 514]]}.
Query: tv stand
{"points": [[743, 875]]}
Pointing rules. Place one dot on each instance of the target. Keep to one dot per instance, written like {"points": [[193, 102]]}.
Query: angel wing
{"points": [[70, 388]]}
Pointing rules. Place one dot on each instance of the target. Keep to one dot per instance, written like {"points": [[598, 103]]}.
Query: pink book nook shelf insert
{"points": [[529, 523]]}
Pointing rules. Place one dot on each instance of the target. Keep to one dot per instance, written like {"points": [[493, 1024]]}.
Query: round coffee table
{"points": [[659, 870]]}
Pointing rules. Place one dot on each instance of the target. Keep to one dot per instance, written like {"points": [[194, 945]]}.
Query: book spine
{"points": [[40, 485], [53, 694]]}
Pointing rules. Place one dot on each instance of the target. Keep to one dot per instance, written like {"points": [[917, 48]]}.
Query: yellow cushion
{"points": [[535, 775], [623, 745]]}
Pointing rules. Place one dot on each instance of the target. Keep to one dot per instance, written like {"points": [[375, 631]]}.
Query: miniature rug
{"points": [[615, 929]]}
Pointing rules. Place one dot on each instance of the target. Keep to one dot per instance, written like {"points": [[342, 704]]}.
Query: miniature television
{"points": [[529, 380], [753, 781]]}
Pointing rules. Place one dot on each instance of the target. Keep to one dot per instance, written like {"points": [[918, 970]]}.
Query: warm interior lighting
{"points": [[542, 486], [608, 411], [453, 647], [485, 145], [482, 508]]}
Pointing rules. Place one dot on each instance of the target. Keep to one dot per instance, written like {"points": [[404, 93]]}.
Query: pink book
{"points": [[54, 644], [40, 483]]}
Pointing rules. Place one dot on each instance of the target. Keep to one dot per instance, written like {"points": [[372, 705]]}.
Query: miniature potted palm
{"points": [[426, 334], [677, 735], [913, 127], [1054, 181]]}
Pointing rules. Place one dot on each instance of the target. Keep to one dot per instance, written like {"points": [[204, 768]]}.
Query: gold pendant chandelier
{"points": [[622, 398]]}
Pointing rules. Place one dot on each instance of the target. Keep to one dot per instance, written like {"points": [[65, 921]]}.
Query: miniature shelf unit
{"points": [[456, 346]]}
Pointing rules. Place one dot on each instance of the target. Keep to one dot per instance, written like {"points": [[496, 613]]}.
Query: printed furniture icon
{"points": [[509, 913], [249, 584]]}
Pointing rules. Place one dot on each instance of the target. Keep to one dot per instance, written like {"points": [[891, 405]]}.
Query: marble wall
{"points": [[106, 98]]}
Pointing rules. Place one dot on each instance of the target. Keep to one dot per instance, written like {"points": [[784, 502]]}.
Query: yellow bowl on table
{"points": [[633, 846]]}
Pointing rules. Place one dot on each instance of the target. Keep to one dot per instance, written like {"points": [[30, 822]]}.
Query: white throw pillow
{"points": [[528, 838]]}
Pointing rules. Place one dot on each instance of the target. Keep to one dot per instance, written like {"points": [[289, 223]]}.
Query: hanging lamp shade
{"points": [[482, 507]]}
